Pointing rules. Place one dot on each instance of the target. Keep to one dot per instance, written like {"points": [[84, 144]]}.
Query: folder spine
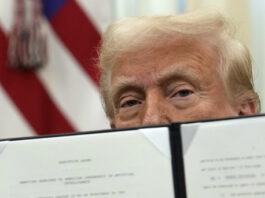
{"points": [[177, 161]]}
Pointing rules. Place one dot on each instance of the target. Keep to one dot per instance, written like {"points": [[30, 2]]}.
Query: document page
{"points": [[225, 159], [126, 164]]}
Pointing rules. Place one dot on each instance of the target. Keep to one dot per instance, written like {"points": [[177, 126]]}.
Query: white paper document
{"points": [[126, 164], [225, 159]]}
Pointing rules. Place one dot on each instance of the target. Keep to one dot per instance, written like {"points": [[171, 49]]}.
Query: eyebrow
{"points": [[180, 72], [125, 83]]}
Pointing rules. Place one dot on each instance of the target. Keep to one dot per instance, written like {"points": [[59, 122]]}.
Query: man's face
{"points": [[167, 84]]}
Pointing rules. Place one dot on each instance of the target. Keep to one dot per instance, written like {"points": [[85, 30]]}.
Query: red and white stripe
{"points": [[65, 91]]}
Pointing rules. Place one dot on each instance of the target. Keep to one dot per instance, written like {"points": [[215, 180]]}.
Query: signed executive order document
{"points": [[127, 164], [225, 159]]}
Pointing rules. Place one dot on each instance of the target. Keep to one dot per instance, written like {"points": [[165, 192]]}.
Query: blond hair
{"points": [[133, 34]]}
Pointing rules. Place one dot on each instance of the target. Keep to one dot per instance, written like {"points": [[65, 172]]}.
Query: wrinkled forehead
{"points": [[193, 53], [163, 51]]}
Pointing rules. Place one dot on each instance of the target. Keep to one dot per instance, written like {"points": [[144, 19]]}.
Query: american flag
{"points": [[63, 95]]}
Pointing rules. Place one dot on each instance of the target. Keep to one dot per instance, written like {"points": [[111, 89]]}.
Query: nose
{"points": [[155, 109]]}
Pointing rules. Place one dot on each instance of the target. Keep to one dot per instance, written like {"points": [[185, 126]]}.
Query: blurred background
{"points": [[48, 78]]}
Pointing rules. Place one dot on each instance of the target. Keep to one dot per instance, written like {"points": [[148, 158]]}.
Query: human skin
{"points": [[170, 84]]}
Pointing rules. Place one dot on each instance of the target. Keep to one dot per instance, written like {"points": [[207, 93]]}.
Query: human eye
{"points": [[130, 100], [129, 106], [182, 93], [129, 103]]}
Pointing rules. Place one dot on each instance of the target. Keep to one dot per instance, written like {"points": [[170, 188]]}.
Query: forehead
{"points": [[185, 56]]}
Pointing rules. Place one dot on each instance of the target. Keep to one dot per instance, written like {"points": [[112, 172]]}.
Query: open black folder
{"points": [[214, 158]]}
